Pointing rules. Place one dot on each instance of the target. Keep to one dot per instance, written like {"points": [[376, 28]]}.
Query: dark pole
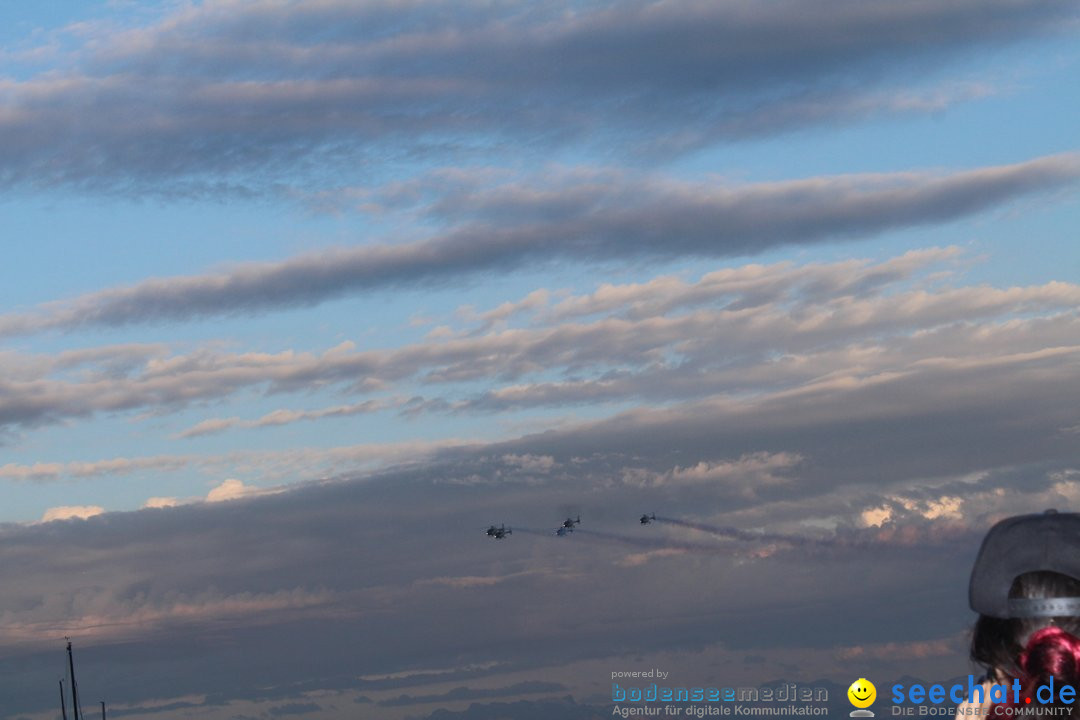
{"points": [[102, 710], [63, 707], [74, 688]]}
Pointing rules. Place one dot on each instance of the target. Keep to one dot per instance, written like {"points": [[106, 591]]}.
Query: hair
{"points": [[1032, 650]]}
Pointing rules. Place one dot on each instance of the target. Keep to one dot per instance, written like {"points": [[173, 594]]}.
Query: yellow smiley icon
{"points": [[862, 693]]}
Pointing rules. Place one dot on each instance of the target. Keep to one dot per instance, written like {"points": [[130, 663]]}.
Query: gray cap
{"points": [[1021, 544]]}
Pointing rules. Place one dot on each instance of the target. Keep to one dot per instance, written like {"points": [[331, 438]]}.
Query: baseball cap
{"points": [[1021, 544]]}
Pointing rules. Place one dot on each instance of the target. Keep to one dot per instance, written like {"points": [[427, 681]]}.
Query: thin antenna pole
{"points": [[102, 710], [74, 687], [63, 707]]}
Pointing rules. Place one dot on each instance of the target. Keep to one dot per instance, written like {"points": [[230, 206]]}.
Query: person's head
{"points": [[1026, 588]]}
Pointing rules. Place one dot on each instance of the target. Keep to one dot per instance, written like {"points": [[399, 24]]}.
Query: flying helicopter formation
{"points": [[567, 526]]}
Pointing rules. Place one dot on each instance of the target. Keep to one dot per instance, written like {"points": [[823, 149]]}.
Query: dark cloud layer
{"points": [[623, 218], [220, 97], [398, 564]]}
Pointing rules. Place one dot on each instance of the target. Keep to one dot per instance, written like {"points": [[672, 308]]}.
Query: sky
{"points": [[301, 297]]}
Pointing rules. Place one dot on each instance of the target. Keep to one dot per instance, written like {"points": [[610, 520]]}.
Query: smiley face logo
{"points": [[862, 693]]}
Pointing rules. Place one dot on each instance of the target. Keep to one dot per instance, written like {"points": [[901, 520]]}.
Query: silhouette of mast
{"points": [[63, 707], [74, 687]]}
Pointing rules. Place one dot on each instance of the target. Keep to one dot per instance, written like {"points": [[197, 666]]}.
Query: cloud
{"points": [[231, 489], [622, 219], [464, 693], [294, 571], [566, 708], [843, 404], [853, 419], [294, 709], [67, 512], [103, 618], [761, 466], [210, 426], [40, 472], [749, 329], [281, 417], [531, 463], [636, 559], [307, 463], [753, 285], [213, 97], [907, 651], [46, 472], [747, 473], [464, 582], [533, 301]]}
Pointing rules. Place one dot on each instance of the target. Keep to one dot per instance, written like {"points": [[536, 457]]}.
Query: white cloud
{"points": [[875, 517], [531, 463], [746, 473], [306, 463], [285, 417], [161, 502], [231, 489], [759, 467], [67, 512]]}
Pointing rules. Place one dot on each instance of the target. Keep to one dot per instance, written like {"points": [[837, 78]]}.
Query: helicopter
{"points": [[499, 532], [646, 519], [568, 526]]}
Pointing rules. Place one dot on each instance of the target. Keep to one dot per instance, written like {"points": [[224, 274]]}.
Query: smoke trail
{"points": [[734, 533], [533, 531], [653, 543], [744, 540]]}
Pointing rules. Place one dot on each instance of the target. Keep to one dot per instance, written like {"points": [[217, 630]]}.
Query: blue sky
{"points": [[802, 268]]}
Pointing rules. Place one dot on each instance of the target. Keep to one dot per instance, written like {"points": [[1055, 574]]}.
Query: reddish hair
{"points": [[1050, 653]]}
